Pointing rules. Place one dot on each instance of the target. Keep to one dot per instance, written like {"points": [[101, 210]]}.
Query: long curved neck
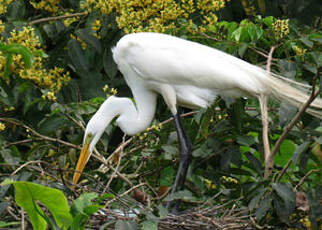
{"points": [[136, 118]]}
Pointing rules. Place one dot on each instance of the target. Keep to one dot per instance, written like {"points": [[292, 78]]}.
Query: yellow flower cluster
{"points": [[229, 179], [2, 127], [3, 6], [209, 184], [83, 44], [51, 6], [157, 127], [8, 109], [52, 79], [306, 222], [281, 28], [207, 9], [299, 51], [2, 28], [109, 91], [96, 26], [50, 96], [68, 21], [155, 15]]}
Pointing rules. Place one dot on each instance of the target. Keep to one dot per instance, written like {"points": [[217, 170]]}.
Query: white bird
{"points": [[186, 74]]}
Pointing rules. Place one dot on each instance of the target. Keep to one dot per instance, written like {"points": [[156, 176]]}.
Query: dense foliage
{"points": [[56, 69]]}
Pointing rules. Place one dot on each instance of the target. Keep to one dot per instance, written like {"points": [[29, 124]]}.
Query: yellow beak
{"points": [[83, 158]]}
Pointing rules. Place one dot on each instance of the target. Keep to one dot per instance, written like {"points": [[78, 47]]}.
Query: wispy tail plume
{"points": [[284, 90]]}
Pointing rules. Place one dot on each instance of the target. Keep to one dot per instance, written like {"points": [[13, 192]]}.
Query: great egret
{"points": [[185, 73]]}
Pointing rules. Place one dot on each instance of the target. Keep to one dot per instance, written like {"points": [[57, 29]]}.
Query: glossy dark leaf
{"points": [[298, 152], [77, 56], [85, 35], [109, 64], [264, 206], [125, 225], [286, 193]]}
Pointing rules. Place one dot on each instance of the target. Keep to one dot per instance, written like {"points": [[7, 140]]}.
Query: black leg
{"points": [[185, 157]]}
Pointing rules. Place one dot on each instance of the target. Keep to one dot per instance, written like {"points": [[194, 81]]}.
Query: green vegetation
{"points": [[56, 68]]}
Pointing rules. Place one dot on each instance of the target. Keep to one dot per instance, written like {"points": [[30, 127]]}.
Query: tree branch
{"points": [[57, 18]]}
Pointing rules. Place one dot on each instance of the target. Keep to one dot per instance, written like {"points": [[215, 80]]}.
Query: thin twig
{"points": [[24, 165], [15, 122], [284, 169], [306, 176], [57, 18], [124, 194], [116, 169], [293, 122]]}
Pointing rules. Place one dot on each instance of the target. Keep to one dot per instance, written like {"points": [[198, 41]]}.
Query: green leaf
{"points": [[26, 196], [163, 211], [255, 200], [109, 64], [268, 21], [16, 10], [170, 151], [310, 68], [86, 36], [286, 204], [77, 56], [246, 140], [125, 225], [264, 206], [286, 152], [167, 176], [306, 41], [285, 192], [7, 224], [149, 225], [82, 202], [19, 49], [7, 67], [242, 49]]}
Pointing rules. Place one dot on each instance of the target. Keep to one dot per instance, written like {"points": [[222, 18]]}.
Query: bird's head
{"points": [[93, 132]]}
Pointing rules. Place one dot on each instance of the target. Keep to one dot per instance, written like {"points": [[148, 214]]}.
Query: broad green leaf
{"points": [[170, 151], [284, 206], [254, 162], [284, 191], [167, 176], [125, 225], [149, 225], [254, 202], [82, 202], [242, 49], [264, 206], [85, 35], [246, 140], [163, 211], [16, 10], [306, 41], [109, 64], [268, 20], [78, 56], [310, 68], [286, 152], [317, 37], [26, 196]]}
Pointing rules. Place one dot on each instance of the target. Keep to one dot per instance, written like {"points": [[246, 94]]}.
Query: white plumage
{"points": [[185, 73]]}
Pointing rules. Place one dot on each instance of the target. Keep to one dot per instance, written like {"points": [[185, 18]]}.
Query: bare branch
{"points": [[57, 18]]}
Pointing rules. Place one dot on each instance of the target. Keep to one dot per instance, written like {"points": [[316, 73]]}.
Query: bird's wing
{"points": [[174, 61]]}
